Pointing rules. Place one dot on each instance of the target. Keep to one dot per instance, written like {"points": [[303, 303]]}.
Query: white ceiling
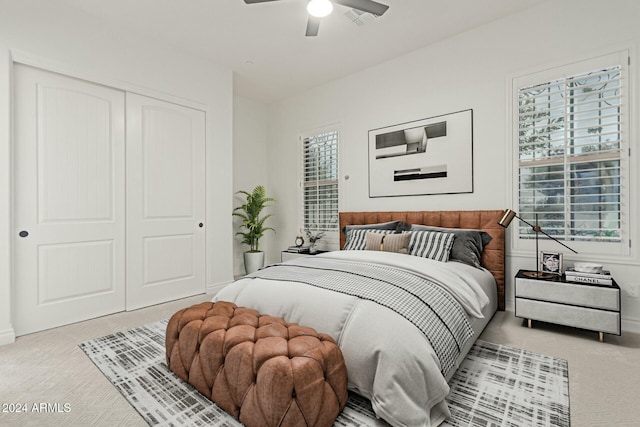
{"points": [[265, 46]]}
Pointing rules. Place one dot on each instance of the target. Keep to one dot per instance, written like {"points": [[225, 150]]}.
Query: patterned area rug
{"points": [[496, 385]]}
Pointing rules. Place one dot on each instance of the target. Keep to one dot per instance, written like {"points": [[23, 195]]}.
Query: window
{"points": [[320, 182], [572, 157]]}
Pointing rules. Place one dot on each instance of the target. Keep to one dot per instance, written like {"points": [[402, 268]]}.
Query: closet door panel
{"points": [[69, 200], [169, 164], [165, 201]]}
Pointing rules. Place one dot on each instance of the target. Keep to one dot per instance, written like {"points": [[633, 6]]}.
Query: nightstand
{"points": [[554, 300], [286, 255]]}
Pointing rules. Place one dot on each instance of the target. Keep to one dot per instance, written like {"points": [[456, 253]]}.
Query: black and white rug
{"points": [[496, 385]]}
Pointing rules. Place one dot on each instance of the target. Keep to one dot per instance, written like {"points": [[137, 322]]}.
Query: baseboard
{"points": [[215, 287], [7, 336], [630, 325]]}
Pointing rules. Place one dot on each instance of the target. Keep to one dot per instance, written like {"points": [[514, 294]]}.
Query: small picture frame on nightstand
{"points": [[551, 262]]}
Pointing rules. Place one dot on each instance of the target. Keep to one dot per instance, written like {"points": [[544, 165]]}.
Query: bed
{"points": [[398, 354]]}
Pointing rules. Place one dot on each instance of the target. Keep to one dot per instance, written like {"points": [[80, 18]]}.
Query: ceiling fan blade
{"points": [[370, 6], [313, 25], [257, 1]]}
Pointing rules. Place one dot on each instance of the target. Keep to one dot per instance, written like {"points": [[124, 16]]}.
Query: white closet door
{"points": [[165, 201], [69, 200]]}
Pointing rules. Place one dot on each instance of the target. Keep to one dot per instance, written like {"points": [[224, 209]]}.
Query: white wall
{"points": [[471, 70], [249, 163], [73, 42]]}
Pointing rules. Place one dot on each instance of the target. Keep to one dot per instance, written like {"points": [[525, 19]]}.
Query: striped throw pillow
{"points": [[356, 240], [431, 244], [398, 243], [373, 241]]}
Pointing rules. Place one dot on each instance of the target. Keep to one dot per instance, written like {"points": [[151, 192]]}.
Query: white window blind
{"points": [[571, 132], [320, 182]]}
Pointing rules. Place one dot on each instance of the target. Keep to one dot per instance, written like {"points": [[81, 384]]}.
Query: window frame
{"points": [[331, 239], [623, 251]]}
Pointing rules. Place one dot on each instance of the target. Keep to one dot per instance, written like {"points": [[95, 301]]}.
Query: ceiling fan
{"points": [[320, 8]]}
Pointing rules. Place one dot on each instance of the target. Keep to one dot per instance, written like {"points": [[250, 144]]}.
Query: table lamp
{"points": [[505, 220]]}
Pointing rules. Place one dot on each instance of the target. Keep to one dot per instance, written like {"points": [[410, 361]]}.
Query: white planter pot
{"points": [[253, 261]]}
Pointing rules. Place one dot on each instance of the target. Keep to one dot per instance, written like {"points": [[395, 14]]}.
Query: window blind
{"points": [[569, 149], [320, 182]]}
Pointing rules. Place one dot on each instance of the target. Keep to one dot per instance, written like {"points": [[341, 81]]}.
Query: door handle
{"points": [[201, 225], [23, 233]]}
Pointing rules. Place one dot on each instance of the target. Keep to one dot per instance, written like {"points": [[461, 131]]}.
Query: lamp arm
{"points": [[526, 222], [558, 241], [538, 229]]}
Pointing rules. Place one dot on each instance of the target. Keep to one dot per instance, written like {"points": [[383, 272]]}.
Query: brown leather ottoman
{"points": [[260, 369]]}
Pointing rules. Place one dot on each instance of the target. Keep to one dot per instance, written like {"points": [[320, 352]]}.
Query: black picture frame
{"points": [[551, 262]]}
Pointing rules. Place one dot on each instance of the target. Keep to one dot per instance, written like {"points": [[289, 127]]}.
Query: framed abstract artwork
{"points": [[428, 156]]}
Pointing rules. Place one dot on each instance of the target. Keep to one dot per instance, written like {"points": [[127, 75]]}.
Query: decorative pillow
{"points": [[356, 240], [467, 246], [396, 243], [431, 244], [373, 241], [387, 242]]}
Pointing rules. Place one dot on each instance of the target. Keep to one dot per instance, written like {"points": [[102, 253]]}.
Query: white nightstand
{"points": [[286, 255], [554, 300]]}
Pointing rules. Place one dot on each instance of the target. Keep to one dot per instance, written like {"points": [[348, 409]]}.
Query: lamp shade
{"points": [[507, 217], [319, 8]]}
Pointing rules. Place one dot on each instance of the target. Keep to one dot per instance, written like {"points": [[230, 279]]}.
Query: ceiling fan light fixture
{"points": [[319, 8]]}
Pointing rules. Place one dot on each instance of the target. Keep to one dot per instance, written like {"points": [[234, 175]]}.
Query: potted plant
{"points": [[250, 212]]}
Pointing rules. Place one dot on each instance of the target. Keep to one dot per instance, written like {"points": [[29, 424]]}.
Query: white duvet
{"points": [[389, 361]]}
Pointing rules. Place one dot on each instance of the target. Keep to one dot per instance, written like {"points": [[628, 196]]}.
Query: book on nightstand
{"points": [[603, 278], [298, 249]]}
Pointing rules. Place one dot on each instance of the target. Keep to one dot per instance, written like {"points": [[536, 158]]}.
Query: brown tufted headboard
{"points": [[493, 255]]}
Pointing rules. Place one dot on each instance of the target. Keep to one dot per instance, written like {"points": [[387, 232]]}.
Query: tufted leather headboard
{"points": [[493, 256]]}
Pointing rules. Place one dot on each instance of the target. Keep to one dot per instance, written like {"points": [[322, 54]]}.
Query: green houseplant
{"points": [[253, 225]]}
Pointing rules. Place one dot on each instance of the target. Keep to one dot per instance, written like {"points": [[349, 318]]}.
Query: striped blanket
{"points": [[423, 302]]}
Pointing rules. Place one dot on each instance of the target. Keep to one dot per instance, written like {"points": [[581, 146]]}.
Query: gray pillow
{"points": [[467, 245], [391, 225]]}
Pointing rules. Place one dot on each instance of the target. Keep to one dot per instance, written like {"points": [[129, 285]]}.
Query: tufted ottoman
{"points": [[260, 369]]}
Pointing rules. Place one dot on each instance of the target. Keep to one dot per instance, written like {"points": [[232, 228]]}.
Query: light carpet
{"points": [[496, 385]]}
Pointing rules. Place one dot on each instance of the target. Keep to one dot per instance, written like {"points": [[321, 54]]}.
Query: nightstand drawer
{"points": [[579, 317], [607, 298]]}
